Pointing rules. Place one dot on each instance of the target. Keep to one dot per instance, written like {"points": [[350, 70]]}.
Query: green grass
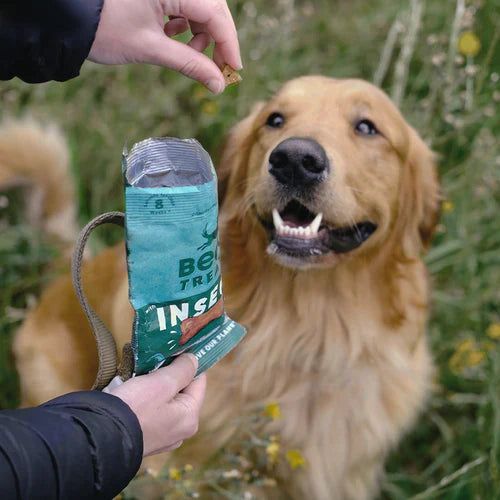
{"points": [[454, 451]]}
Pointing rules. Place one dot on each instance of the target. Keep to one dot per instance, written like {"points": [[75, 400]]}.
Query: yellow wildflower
{"points": [[273, 450], [447, 206], [493, 331], [469, 44], [174, 473], [465, 345], [475, 357], [272, 410], [295, 458], [466, 355], [188, 467], [209, 108]]}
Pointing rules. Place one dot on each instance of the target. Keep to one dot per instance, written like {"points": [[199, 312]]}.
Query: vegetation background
{"points": [[440, 62]]}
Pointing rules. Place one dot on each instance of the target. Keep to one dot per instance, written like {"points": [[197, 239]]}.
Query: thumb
{"points": [[175, 55]]}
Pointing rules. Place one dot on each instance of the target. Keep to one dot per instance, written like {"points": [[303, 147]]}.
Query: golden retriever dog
{"points": [[329, 200]]}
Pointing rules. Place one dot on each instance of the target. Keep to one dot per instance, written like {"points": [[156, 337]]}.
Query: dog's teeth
{"points": [[315, 223], [278, 222], [283, 229]]}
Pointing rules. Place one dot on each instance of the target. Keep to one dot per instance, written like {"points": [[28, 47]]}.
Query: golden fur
{"points": [[339, 340], [36, 157]]}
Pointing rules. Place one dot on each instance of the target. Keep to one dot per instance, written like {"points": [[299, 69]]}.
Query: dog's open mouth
{"points": [[297, 232]]}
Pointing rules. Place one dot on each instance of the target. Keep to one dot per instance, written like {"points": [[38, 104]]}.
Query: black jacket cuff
{"points": [[49, 40]]}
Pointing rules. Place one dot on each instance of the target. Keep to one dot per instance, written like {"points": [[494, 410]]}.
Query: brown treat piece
{"points": [[191, 326], [231, 76]]}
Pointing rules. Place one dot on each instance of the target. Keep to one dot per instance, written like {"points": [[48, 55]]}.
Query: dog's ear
{"points": [[420, 197], [231, 170]]}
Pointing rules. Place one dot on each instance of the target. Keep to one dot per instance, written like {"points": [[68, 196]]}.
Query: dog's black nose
{"points": [[298, 162]]}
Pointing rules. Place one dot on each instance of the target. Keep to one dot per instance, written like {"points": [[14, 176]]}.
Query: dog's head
{"points": [[328, 170]]}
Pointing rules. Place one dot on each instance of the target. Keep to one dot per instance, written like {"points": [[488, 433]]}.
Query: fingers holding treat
{"points": [[231, 76]]}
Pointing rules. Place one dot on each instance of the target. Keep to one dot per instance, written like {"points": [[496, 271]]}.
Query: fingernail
{"points": [[194, 359], [216, 86], [240, 63]]}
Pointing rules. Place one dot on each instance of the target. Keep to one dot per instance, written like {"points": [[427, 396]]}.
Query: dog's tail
{"points": [[37, 157]]}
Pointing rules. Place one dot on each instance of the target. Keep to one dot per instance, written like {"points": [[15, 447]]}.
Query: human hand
{"points": [[167, 403], [134, 31]]}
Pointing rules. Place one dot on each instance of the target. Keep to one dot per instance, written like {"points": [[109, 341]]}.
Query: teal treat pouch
{"points": [[173, 255]]}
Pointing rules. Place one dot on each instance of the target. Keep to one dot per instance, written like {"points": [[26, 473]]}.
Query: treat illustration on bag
{"points": [[173, 255]]}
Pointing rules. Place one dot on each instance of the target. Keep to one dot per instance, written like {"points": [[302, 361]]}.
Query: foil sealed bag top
{"points": [[173, 255]]}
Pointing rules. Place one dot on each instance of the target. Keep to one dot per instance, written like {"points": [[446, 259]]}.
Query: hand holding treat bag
{"points": [[173, 261], [173, 255]]}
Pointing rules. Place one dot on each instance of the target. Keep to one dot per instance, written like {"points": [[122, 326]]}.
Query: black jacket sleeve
{"points": [[43, 40], [83, 445]]}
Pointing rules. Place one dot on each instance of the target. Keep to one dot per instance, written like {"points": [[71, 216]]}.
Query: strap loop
{"points": [[106, 345]]}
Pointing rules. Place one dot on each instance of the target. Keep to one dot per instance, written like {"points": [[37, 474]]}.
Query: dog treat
{"points": [[231, 76], [191, 326], [173, 255]]}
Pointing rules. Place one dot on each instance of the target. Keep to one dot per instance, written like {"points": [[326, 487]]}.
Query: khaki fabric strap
{"points": [[106, 345]]}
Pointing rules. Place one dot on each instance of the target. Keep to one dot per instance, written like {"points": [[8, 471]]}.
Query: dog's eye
{"points": [[366, 127], [275, 120]]}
